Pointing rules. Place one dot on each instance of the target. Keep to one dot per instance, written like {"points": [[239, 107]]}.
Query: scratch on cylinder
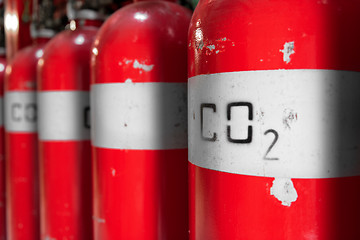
{"points": [[288, 51]]}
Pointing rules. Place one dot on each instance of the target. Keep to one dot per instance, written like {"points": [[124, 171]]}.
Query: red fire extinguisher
{"points": [[64, 135], [138, 108], [274, 134], [2, 152], [22, 201], [22, 184]]}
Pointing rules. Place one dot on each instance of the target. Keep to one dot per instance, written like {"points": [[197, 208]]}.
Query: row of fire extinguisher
{"points": [[135, 186], [242, 125]]}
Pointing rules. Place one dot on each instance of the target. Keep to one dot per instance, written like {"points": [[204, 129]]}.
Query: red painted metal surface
{"points": [[140, 193], [65, 164], [17, 25], [2, 154], [248, 36], [22, 194]]}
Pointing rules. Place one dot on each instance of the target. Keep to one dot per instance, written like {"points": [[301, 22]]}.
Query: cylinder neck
{"points": [[86, 17], [2, 52]]}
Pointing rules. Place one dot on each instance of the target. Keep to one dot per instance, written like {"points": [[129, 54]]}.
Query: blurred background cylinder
{"points": [[22, 185], [64, 122], [21, 144], [2, 152], [139, 126], [274, 130]]}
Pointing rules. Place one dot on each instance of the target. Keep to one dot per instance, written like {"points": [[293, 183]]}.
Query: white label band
{"points": [[20, 111], [139, 115], [64, 115], [276, 123]]}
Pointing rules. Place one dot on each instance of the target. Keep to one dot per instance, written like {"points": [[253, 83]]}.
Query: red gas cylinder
{"points": [[274, 134], [64, 135], [139, 123], [2, 155], [22, 201]]}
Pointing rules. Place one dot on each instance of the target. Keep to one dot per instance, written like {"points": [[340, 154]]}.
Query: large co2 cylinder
{"points": [[22, 190], [274, 133], [64, 134], [139, 125]]}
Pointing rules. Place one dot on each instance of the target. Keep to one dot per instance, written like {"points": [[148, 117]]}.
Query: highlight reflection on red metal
{"points": [[65, 154], [17, 25], [256, 188], [139, 123], [22, 198]]}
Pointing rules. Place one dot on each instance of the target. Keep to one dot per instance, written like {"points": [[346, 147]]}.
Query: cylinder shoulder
{"points": [[242, 35], [141, 42], [20, 73]]}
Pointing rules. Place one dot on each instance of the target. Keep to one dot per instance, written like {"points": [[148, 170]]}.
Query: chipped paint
{"points": [[99, 220], [288, 51], [129, 80], [113, 172], [218, 46], [128, 61], [211, 47], [142, 66], [283, 190], [289, 117]]}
